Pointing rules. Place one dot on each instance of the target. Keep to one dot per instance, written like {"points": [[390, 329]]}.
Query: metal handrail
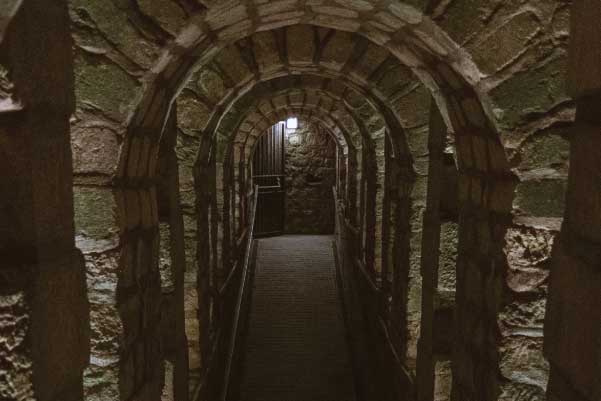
{"points": [[243, 282], [268, 175]]}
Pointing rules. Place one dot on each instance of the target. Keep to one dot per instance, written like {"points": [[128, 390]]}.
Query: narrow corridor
{"points": [[149, 147], [296, 346]]}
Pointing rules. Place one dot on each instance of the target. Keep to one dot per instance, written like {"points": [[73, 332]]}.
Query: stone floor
{"points": [[296, 346]]}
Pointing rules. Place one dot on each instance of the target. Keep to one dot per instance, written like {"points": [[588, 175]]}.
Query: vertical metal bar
{"points": [[281, 149], [276, 144], [273, 152]]}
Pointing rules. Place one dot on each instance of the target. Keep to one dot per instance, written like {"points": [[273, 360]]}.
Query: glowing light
{"points": [[292, 123]]}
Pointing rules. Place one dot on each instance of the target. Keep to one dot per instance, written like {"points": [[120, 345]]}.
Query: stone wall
{"points": [[310, 176], [496, 70]]}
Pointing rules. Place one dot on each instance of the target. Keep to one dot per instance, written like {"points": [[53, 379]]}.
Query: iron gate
{"points": [[269, 176]]}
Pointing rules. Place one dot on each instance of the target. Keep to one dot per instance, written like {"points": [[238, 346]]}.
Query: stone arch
{"points": [[465, 108], [401, 210], [121, 257], [486, 180], [302, 101], [368, 111]]}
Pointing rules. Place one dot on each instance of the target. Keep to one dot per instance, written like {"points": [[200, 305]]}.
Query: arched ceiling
{"points": [[264, 114], [306, 89], [368, 74], [398, 27], [303, 46], [160, 42], [243, 150]]}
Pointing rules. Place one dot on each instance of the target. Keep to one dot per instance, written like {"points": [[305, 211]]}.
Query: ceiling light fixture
{"points": [[292, 123]]}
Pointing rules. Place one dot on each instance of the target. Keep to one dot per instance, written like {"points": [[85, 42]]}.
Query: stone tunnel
{"points": [[294, 200]]}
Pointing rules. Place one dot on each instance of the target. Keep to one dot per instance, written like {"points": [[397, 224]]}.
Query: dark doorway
{"points": [[268, 174], [295, 169]]}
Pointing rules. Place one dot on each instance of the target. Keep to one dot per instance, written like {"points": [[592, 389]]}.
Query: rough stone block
{"points": [[506, 42], [114, 95], [300, 44], [337, 51], [95, 212], [95, 147], [541, 198], [266, 52]]}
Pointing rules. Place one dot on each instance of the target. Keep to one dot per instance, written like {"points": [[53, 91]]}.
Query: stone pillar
{"points": [[430, 256], [485, 194], [44, 344], [171, 211], [204, 189], [573, 319]]}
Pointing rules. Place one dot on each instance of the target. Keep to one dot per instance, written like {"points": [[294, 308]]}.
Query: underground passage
{"points": [[294, 200]]}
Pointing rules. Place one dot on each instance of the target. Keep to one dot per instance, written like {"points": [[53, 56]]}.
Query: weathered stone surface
{"points": [[95, 212], [95, 147], [310, 171], [211, 84], [532, 92], [443, 381], [168, 13], [165, 262], [448, 257], [101, 377], [546, 150], [230, 61], [541, 197], [104, 86], [192, 114], [300, 44], [266, 52], [491, 64], [113, 23], [338, 50], [506, 42], [413, 108], [373, 57], [16, 382]]}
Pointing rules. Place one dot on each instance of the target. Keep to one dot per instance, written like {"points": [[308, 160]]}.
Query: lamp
{"points": [[292, 123]]}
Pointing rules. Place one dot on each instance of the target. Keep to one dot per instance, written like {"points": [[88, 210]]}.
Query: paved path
{"points": [[296, 346]]}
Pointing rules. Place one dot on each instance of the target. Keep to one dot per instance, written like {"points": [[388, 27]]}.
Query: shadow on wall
{"points": [[310, 175]]}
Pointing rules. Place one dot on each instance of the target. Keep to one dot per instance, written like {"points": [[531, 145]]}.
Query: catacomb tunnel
{"points": [[261, 200]]}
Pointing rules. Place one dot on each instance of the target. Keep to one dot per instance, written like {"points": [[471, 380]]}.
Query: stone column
{"points": [[44, 344], [172, 213], [573, 319], [204, 188], [430, 256]]}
